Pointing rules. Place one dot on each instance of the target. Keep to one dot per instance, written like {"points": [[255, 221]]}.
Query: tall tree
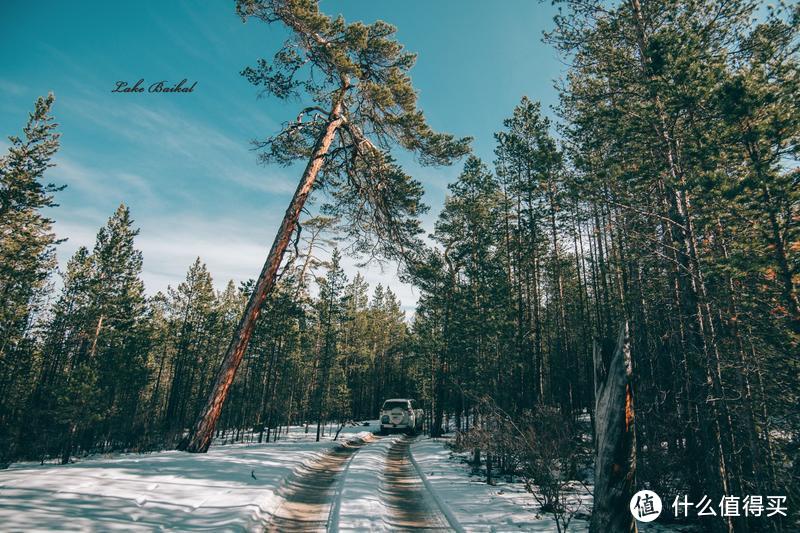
{"points": [[192, 303], [361, 103], [54, 411], [27, 250], [118, 333], [93, 366], [331, 311], [669, 123]]}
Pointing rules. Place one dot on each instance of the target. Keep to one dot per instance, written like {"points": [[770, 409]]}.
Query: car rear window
{"points": [[391, 405]]}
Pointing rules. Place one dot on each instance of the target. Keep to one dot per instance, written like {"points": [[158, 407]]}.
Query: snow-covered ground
{"points": [[503, 507], [481, 507], [231, 488], [362, 508], [236, 487]]}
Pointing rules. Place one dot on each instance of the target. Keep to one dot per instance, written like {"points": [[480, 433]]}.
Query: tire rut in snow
{"points": [[308, 491], [404, 494]]}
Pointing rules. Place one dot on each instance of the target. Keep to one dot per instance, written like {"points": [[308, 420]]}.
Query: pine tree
{"points": [[119, 336], [361, 104], [330, 309], [96, 343], [356, 348], [664, 116], [55, 414], [27, 255], [191, 305]]}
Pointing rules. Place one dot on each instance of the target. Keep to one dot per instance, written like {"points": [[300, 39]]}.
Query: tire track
{"points": [[309, 491], [405, 496]]}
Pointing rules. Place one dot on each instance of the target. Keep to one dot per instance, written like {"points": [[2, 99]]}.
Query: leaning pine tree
{"points": [[360, 104]]}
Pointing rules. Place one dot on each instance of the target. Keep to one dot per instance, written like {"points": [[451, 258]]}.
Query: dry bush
{"points": [[541, 446], [548, 447]]}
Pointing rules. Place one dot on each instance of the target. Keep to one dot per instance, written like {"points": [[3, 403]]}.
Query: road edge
{"points": [[443, 507]]}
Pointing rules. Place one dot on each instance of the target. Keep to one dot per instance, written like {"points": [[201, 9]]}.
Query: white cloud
{"points": [[164, 134], [12, 88], [388, 276], [233, 249], [101, 183]]}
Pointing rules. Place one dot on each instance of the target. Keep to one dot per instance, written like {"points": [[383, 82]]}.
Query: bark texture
{"points": [[615, 463]]}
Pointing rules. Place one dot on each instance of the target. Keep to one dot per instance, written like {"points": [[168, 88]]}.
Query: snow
{"points": [[362, 508], [231, 488], [235, 487], [503, 507], [478, 506]]}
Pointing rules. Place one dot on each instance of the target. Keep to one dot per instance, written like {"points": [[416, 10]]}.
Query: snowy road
{"points": [[309, 495], [311, 501], [410, 508]]}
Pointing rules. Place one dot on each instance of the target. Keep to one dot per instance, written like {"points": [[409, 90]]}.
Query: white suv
{"points": [[401, 414]]}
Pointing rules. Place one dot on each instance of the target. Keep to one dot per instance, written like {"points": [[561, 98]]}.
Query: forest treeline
{"points": [[666, 195], [98, 366]]}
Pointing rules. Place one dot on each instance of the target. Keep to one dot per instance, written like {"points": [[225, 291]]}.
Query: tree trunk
{"points": [[784, 271], [97, 330], [66, 454], [199, 439], [615, 463]]}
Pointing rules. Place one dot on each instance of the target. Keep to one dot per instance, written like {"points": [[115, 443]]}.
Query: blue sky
{"points": [[183, 163]]}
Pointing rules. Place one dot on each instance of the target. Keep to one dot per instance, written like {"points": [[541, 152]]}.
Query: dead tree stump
{"points": [[615, 439]]}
